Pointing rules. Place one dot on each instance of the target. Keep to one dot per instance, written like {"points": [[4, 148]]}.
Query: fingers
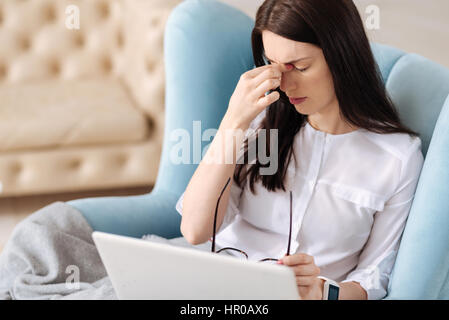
{"points": [[256, 71], [265, 86], [302, 264], [306, 270], [262, 79], [267, 100], [306, 273], [279, 68], [297, 258], [305, 281], [270, 73]]}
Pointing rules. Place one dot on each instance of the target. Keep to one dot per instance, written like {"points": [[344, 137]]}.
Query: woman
{"points": [[351, 166]]}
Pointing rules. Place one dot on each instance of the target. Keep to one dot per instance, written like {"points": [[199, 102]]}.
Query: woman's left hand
{"points": [[310, 287]]}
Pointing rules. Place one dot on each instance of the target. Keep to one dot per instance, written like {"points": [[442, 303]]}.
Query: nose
{"points": [[287, 82]]}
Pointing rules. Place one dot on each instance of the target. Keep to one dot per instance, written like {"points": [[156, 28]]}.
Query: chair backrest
{"points": [[419, 89], [417, 86], [208, 47]]}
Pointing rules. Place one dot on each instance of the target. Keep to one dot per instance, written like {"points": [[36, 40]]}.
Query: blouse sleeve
{"points": [[379, 253]]}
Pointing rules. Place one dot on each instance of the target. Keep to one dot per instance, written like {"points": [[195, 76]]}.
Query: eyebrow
{"points": [[289, 61]]}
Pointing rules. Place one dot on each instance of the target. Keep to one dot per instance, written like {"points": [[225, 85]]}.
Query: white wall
{"points": [[247, 6], [411, 25]]}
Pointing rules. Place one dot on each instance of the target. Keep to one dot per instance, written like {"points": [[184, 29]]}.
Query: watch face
{"points": [[333, 292]]}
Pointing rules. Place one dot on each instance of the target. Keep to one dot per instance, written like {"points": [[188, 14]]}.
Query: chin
{"points": [[304, 111], [303, 108]]}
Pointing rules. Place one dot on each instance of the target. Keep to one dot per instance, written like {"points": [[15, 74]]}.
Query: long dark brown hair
{"points": [[337, 28]]}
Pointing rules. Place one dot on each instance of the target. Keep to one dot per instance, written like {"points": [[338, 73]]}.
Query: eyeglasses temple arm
{"points": [[290, 230], [215, 216]]}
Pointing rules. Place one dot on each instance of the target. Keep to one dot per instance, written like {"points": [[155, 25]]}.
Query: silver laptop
{"points": [[140, 269]]}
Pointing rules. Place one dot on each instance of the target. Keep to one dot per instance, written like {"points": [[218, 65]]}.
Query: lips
{"points": [[297, 100]]}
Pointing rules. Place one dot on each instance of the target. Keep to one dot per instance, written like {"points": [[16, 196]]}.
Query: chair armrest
{"points": [[132, 216]]}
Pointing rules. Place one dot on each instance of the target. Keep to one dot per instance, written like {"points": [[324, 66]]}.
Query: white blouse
{"points": [[351, 197]]}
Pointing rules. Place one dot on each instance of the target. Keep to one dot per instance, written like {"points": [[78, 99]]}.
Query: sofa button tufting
{"points": [[103, 10], [106, 64], [25, 43], [79, 40], [150, 65], [154, 22], [74, 164], [16, 168], [3, 71], [54, 68], [121, 159], [120, 39], [49, 14]]}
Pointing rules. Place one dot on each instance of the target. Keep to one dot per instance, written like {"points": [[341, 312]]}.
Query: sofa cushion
{"points": [[66, 113]]}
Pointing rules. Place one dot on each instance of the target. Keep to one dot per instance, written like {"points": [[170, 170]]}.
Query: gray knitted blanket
{"points": [[51, 255]]}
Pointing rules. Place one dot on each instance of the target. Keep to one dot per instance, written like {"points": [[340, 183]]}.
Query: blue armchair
{"points": [[207, 47]]}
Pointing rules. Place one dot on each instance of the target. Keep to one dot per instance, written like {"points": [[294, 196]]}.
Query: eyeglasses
{"points": [[241, 251]]}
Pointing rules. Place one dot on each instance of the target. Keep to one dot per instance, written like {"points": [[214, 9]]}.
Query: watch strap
{"points": [[331, 289]]}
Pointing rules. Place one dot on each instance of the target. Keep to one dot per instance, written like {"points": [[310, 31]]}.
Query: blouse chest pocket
{"points": [[364, 199]]}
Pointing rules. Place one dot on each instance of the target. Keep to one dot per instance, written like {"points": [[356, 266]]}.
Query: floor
{"points": [[15, 209]]}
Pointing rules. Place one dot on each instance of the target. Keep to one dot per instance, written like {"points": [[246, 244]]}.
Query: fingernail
{"points": [[279, 262]]}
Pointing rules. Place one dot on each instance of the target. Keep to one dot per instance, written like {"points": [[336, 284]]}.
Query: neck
{"points": [[330, 121]]}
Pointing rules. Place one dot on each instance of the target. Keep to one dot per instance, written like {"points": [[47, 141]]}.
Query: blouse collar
{"points": [[329, 135]]}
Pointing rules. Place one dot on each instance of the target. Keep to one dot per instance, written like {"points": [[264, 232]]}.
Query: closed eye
{"points": [[299, 69]]}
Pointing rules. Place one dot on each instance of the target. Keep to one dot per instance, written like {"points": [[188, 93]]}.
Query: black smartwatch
{"points": [[331, 289]]}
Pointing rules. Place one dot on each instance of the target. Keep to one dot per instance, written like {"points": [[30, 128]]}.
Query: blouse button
{"points": [[311, 184]]}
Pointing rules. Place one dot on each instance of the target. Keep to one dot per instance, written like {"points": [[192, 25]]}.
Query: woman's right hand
{"points": [[249, 98]]}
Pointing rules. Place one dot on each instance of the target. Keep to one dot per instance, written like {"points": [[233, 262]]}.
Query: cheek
{"points": [[321, 85]]}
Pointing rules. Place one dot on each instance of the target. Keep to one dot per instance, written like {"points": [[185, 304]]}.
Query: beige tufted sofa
{"points": [[80, 109]]}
